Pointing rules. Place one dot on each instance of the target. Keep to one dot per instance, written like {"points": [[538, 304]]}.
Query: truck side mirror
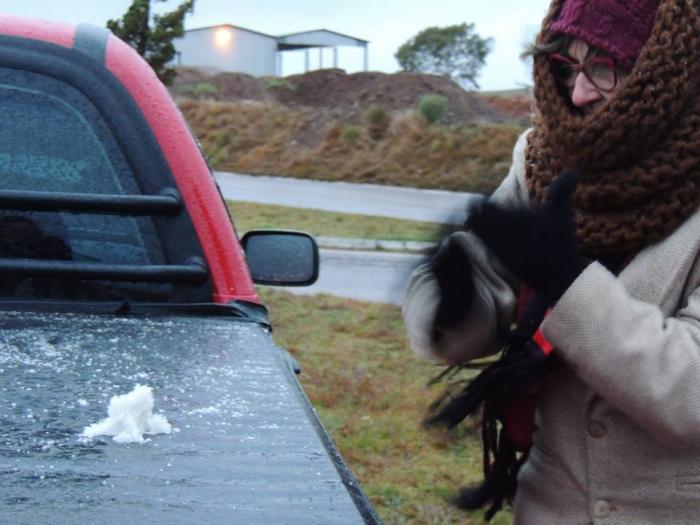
{"points": [[281, 257]]}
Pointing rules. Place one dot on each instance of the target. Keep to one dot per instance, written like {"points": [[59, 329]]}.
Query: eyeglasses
{"points": [[600, 71]]}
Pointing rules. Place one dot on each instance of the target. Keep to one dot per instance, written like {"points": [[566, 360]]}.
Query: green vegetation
{"points": [[456, 52], [378, 122], [199, 90], [369, 390], [352, 133], [279, 83], [432, 107], [250, 216], [152, 36]]}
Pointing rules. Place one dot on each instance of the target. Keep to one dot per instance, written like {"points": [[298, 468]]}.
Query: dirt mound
{"points": [[320, 125], [349, 94], [222, 86], [238, 86], [516, 106]]}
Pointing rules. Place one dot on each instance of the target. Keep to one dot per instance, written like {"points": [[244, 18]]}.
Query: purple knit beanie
{"points": [[619, 27]]}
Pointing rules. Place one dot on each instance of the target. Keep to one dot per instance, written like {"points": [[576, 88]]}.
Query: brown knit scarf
{"points": [[639, 152]]}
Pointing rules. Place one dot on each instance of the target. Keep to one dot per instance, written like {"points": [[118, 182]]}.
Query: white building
{"points": [[230, 48]]}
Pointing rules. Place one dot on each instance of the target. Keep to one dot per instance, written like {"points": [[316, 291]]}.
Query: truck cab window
{"points": [[53, 139]]}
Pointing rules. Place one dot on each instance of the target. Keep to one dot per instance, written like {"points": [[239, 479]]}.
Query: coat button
{"points": [[602, 509], [597, 429]]}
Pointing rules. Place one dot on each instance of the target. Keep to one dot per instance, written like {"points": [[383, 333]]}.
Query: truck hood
{"points": [[246, 446]]}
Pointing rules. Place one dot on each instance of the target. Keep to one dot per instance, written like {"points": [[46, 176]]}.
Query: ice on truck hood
{"points": [[130, 416]]}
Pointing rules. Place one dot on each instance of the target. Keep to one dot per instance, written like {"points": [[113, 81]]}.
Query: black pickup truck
{"points": [[119, 266]]}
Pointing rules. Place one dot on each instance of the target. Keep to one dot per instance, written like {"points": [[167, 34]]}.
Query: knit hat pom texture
{"points": [[618, 27]]}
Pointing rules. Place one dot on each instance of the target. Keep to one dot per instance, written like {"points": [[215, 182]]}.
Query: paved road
{"points": [[367, 276], [365, 199]]}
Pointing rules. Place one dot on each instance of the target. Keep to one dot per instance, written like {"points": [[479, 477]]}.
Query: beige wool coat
{"points": [[618, 422]]}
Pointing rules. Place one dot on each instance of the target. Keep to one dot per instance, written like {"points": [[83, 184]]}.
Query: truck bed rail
{"points": [[168, 203], [193, 272]]}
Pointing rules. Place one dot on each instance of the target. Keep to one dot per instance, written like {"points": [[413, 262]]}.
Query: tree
{"points": [[457, 52], [152, 37]]}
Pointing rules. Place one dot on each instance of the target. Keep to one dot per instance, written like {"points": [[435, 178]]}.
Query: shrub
{"points": [[222, 138], [279, 83], [432, 107], [352, 133], [220, 155], [378, 122], [198, 90]]}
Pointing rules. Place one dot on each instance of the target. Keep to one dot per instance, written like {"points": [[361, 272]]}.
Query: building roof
{"points": [[302, 39], [302, 33], [217, 26]]}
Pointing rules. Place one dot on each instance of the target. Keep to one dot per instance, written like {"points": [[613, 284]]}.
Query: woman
{"points": [[599, 216]]}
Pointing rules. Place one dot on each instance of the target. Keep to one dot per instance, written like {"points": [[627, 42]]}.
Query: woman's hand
{"points": [[537, 245], [453, 272]]}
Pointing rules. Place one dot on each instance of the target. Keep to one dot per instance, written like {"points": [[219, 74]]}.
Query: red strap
{"points": [[519, 421], [519, 417], [544, 345], [524, 297]]}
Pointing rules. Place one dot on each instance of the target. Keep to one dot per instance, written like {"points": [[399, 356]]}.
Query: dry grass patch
{"points": [[318, 143], [369, 390]]}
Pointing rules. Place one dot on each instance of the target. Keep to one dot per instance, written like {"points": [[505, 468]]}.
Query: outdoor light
{"points": [[223, 37]]}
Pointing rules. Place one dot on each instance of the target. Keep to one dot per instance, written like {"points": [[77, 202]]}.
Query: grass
{"points": [[313, 143], [369, 390], [250, 216]]}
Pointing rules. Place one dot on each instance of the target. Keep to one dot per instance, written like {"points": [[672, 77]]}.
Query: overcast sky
{"points": [[386, 24]]}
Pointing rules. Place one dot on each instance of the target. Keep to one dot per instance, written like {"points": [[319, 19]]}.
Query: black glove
{"points": [[453, 272], [537, 245]]}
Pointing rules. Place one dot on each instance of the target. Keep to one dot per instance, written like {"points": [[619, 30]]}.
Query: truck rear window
{"points": [[53, 139]]}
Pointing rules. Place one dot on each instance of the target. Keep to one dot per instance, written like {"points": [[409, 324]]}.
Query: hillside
{"points": [[363, 127]]}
